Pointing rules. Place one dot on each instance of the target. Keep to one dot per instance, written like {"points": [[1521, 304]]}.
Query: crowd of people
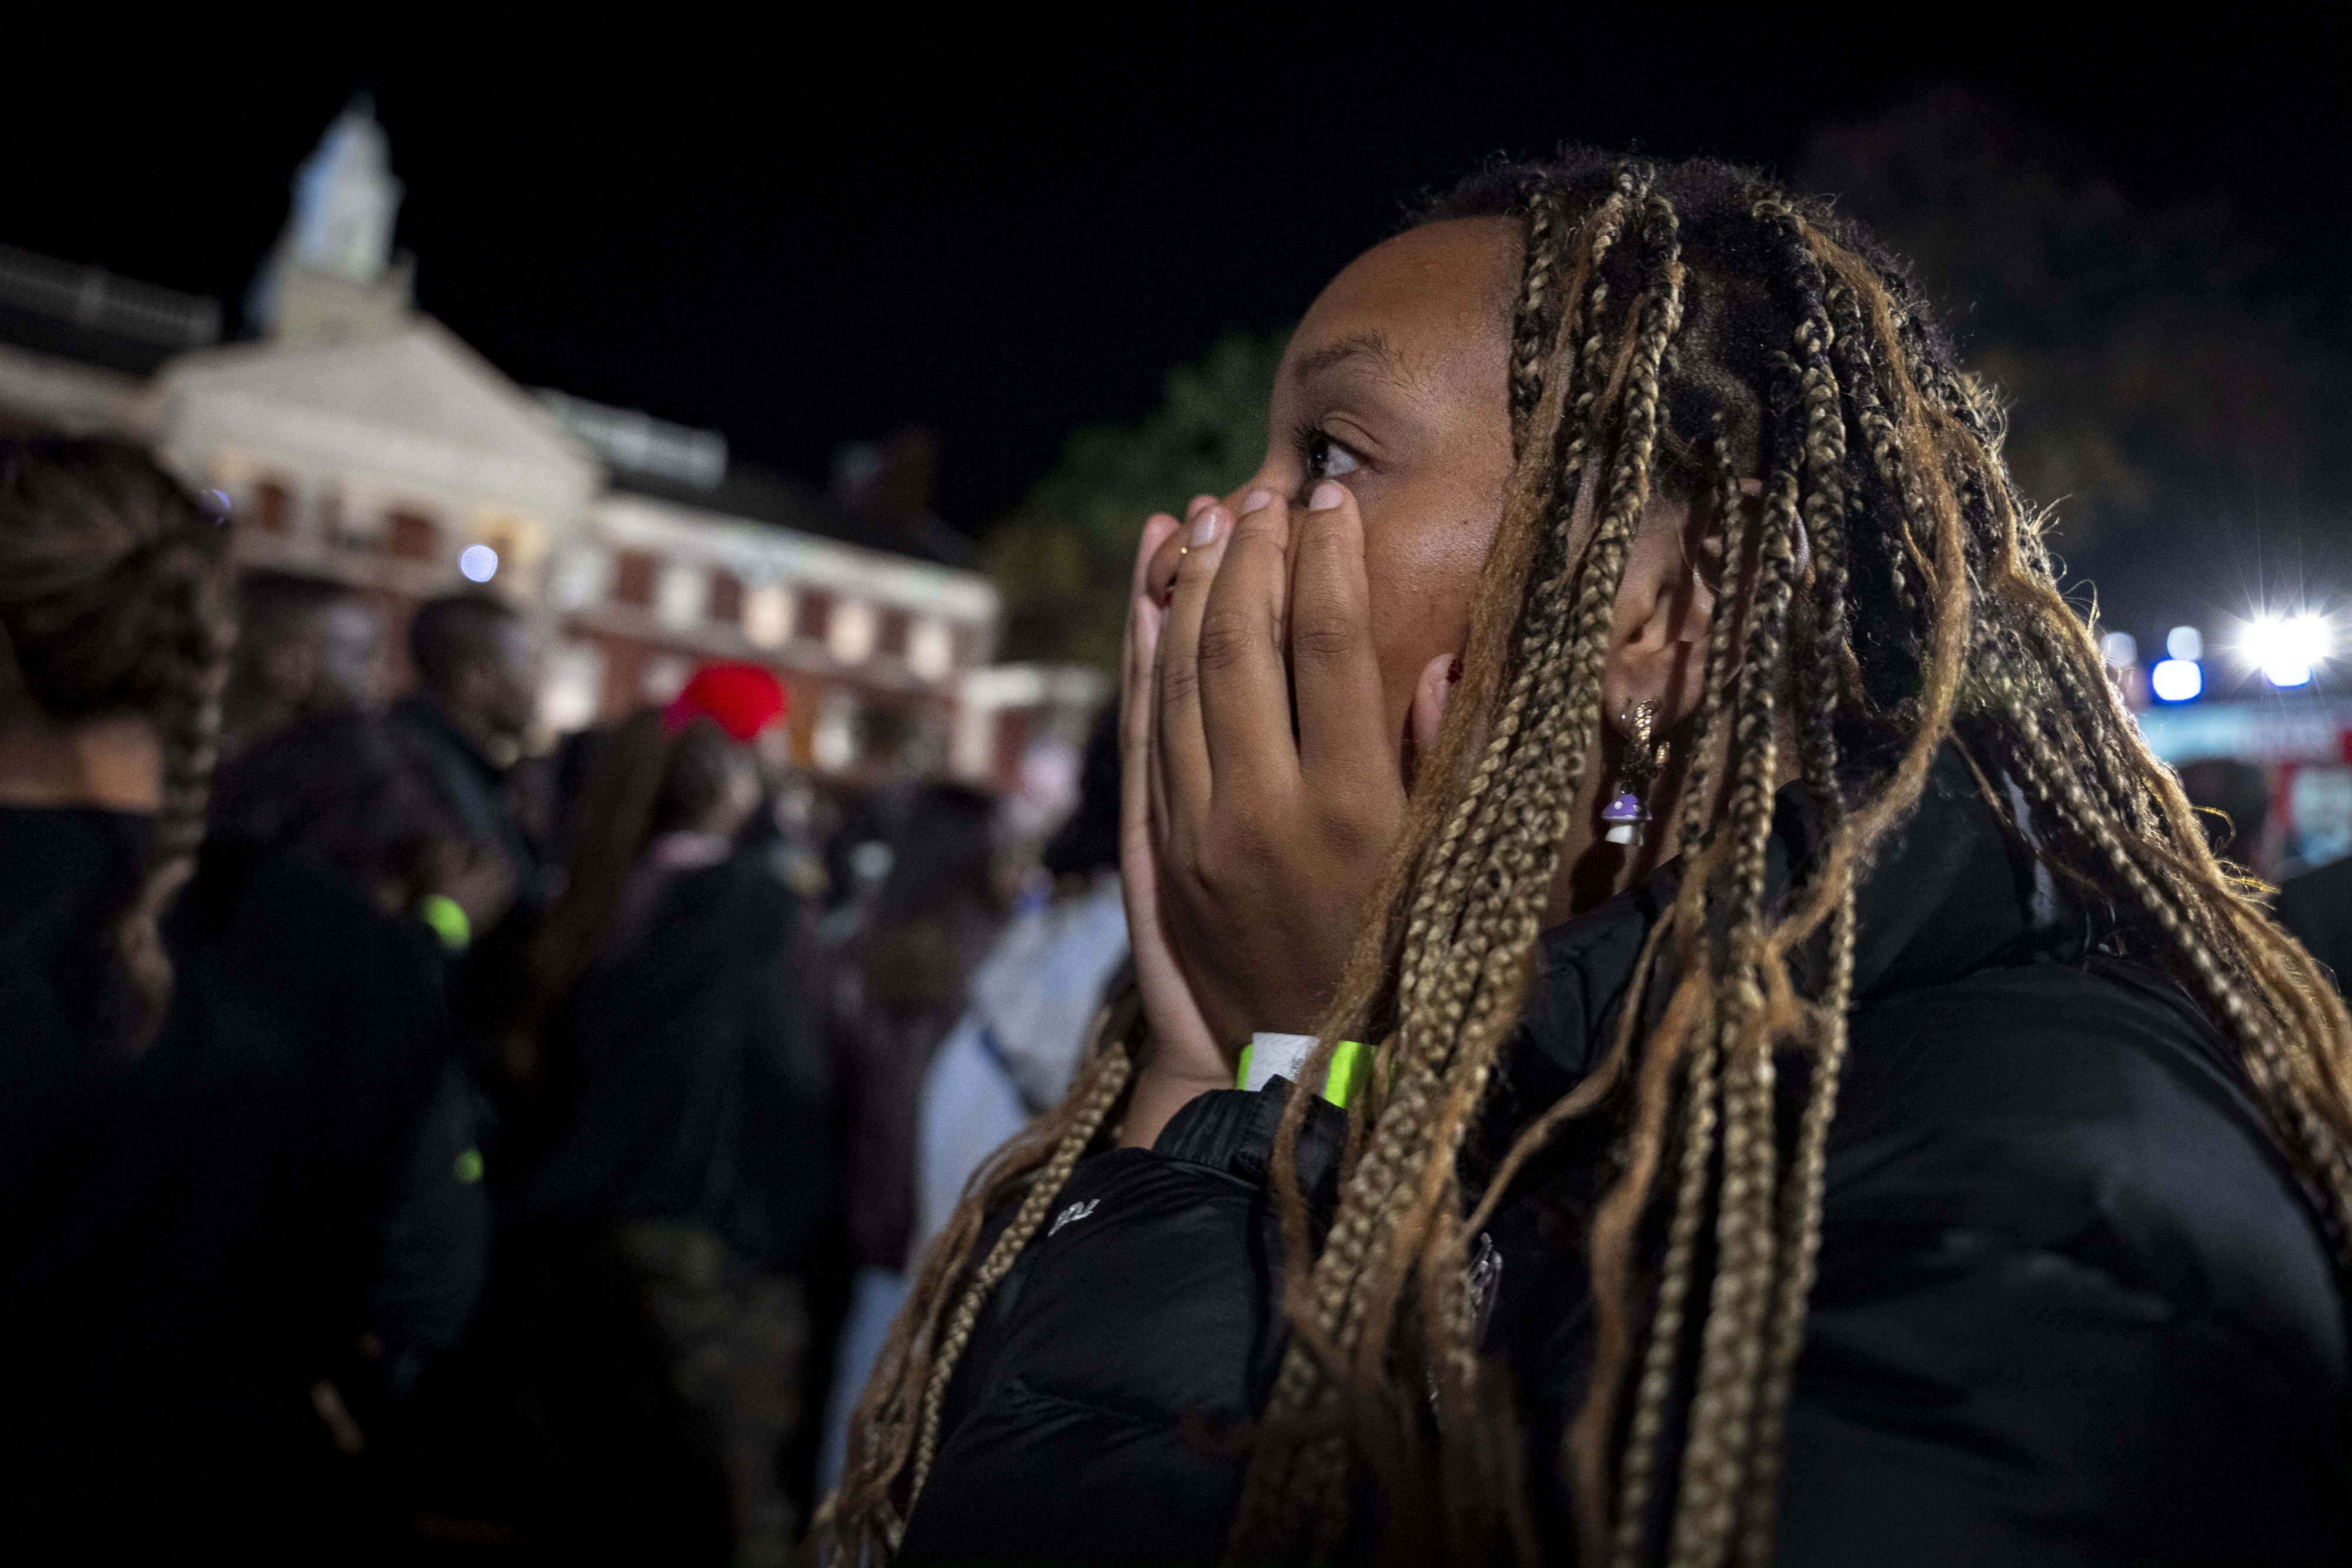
{"points": [[1750, 1057], [456, 1153]]}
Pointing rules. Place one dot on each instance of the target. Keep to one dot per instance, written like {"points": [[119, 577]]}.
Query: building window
{"points": [[891, 641], [680, 597], [625, 669], [930, 651], [575, 683], [633, 578], [835, 744], [578, 580], [816, 615], [850, 633], [273, 507], [412, 537], [665, 675], [768, 616], [725, 597]]}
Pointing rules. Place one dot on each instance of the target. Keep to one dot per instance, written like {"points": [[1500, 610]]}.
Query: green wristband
{"points": [[447, 918], [1350, 1062]]}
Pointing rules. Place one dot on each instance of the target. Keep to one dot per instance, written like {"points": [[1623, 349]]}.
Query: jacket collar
{"points": [[1954, 889]]}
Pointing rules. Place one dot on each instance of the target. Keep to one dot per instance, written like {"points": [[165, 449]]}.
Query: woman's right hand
{"points": [[1185, 1061]]}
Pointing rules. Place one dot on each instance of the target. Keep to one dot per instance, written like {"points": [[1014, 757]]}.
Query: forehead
{"points": [[1431, 292]]}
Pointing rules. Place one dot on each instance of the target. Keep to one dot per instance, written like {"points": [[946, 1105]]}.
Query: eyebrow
{"points": [[1372, 345]]}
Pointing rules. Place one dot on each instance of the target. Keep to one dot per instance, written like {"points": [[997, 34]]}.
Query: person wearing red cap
{"points": [[743, 699]]}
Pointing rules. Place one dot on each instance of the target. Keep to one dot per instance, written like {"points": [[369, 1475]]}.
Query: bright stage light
{"points": [[2119, 649], [2175, 680], [2288, 648], [478, 562], [2185, 643]]}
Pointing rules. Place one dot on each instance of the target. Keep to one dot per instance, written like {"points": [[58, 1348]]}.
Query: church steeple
{"points": [[345, 199], [333, 277]]}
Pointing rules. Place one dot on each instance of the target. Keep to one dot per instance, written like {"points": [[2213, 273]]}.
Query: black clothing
{"points": [[435, 1251], [186, 1237], [481, 796], [2071, 1306], [697, 1060], [662, 1321], [2318, 908]]}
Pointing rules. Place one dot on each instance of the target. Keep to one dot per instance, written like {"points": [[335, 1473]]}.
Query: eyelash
{"points": [[1308, 437]]}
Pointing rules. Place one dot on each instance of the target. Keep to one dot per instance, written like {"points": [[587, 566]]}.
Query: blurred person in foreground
{"points": [[477, 669], [305, 647], [900, 981], [670, 1228], [346, 790], [209, 1070]]}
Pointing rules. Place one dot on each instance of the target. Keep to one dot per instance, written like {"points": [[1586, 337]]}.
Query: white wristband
{"points": [[1272, 1056]]}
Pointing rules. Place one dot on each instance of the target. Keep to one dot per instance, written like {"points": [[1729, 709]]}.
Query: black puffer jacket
{"points": [[2073, 1307]]}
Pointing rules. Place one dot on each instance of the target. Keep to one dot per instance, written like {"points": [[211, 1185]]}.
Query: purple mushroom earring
{"points": [[1627, 816]]}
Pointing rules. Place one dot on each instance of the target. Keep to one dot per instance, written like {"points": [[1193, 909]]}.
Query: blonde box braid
{"points": [[115, 597]]}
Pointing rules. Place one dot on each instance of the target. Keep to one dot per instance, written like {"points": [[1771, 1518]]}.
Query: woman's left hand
{"points": [[1270, 828]]}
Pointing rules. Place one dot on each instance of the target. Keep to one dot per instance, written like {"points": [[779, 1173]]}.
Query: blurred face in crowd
{"points": [[505, 679], [1395, 385], [344, 646], [328, 658]]}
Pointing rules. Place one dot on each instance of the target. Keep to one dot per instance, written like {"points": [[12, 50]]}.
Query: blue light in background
{"points": [[2284, 673], [2175, 680], [478, 562]]}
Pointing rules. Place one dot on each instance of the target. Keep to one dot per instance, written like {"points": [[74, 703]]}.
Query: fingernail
{"points": [[1204, 530], [1256, 500], [1452, 672], [1327, 496]]}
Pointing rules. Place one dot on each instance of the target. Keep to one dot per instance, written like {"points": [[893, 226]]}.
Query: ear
{"points": [[1666, 608], [1429, 696]]}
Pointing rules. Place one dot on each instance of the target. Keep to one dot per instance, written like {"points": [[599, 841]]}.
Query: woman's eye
{"points": [[1327, 459]]}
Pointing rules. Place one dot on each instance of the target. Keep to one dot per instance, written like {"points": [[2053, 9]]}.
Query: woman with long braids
{"points": [[209, 1062], [1784, 1078]]}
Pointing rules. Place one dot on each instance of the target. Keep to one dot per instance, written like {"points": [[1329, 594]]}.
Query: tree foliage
{"points": [[1062, 561], [2164, 370]]}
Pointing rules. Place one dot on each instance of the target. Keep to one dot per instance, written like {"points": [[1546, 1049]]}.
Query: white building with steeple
{"points": [[359, 439]]}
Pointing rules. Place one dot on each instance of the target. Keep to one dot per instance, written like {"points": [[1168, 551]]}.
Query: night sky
{"points": [[802, 235]]}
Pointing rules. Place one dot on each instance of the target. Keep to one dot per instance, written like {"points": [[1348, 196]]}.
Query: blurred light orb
{"points": [[2119, 649], [2175, 680], [478, 562], [2283, 672], [2185, 643], [2288, 648]]}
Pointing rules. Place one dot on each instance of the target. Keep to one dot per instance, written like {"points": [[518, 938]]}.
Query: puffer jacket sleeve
{"points": [[1093, 1414]]}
